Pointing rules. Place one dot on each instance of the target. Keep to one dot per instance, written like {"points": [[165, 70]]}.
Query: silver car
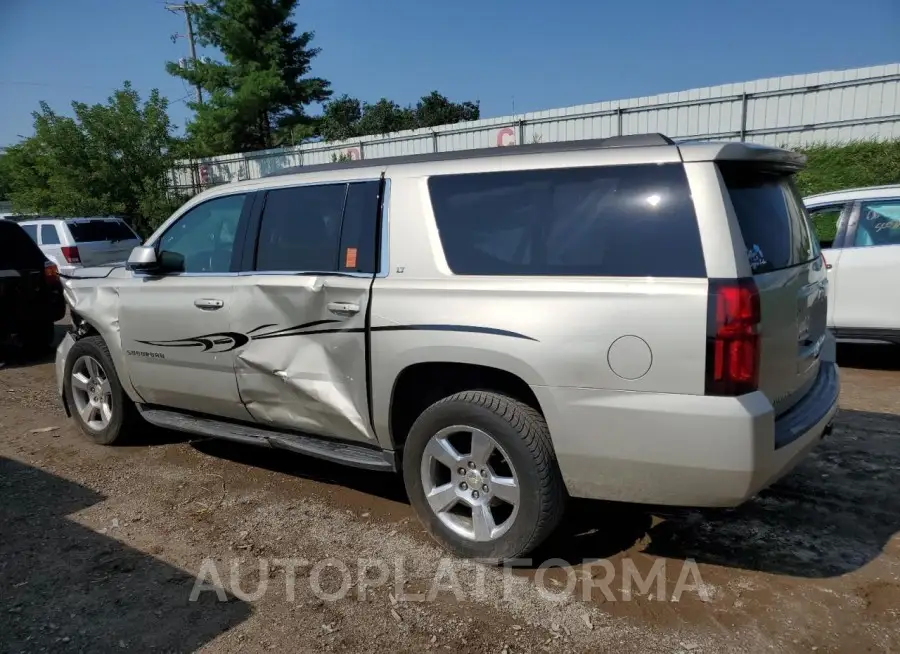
{"points": [[72, 243], [623, 319]]}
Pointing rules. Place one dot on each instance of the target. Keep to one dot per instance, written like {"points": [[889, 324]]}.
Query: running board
{"points": [[357, 456]]}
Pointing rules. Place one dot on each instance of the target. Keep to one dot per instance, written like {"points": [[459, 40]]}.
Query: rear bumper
{"points": [[682, 450]]}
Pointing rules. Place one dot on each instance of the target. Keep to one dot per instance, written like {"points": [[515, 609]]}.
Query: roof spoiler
{"points": [[737, 151]]}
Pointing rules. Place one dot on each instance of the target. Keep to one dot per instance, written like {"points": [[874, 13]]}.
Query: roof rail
{"points": [[636, 140], [629, 141]]}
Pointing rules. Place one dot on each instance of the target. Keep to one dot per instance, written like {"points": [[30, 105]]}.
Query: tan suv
{"points": [[508, 327]]}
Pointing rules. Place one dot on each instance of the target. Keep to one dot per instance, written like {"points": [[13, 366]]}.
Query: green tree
{"points": [[340, 119], [434, 109], [257, 97], [384, 117], [346, 117], [109, 159], [4, 177]]}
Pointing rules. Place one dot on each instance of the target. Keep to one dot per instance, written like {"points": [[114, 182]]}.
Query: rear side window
{"points": [[17, 250], [90, 231], [773, 221], [31, 230], [49, 235], [323, 228], [301, 229], [623, 221]]}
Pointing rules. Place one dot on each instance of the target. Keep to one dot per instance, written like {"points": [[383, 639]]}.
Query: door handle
{"points": [[343, 308], [209, 304]]}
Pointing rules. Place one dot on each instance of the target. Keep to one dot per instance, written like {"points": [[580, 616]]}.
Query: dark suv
{"points": [[30, 291]]}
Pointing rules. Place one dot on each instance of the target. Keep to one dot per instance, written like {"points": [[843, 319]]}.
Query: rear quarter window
{"points": [[622, 221]]}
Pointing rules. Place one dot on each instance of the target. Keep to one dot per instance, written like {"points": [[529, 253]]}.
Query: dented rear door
{"points": [[303, 304]]}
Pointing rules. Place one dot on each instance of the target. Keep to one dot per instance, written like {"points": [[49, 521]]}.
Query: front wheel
{"points": [[482, 476], [101, 408]]}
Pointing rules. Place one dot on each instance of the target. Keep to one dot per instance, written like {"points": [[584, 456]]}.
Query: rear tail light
{"points": [[732, 356], [70, 252], [51, 273]]}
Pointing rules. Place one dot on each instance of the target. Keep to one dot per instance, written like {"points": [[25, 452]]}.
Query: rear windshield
{"points": [[89, 231], [773, 221], [631, 221], [17, 250]]}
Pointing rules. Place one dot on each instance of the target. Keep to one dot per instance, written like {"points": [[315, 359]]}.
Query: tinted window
{"points": [[31, 230], [360, 227], [771, 216], [17, 250], [824, 221], [301, 229], [204, 235], [90, 231], [613, 220], [879, 224], [49, 235]]}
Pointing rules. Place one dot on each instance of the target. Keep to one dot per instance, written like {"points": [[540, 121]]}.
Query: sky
{"points": [[513, 56]]}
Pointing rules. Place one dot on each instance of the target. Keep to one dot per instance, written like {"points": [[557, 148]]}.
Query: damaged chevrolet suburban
{"points": [[623, 319]]}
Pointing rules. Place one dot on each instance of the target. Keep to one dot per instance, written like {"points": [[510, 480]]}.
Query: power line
{"points": [[186, 8]]}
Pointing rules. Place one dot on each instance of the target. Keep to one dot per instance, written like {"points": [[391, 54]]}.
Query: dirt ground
{"points": [[102, 548]]}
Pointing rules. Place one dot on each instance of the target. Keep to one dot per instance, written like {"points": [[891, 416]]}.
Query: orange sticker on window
{"points": [[350, 258]]}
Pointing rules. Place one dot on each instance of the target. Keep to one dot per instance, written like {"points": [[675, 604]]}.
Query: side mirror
{"points": [[170, 262], [144, 259]]}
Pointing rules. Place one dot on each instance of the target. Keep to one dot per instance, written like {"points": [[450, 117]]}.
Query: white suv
{"points": [[72, 243], [859, 230]]}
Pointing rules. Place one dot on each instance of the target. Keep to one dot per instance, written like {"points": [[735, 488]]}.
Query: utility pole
{"points": [[186, 8]]}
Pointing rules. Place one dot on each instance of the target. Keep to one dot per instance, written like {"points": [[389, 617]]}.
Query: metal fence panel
{"points": [[832, 106]]}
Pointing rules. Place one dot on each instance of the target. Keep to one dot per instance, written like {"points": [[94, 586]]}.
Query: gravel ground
{"points": [[104, 549]]}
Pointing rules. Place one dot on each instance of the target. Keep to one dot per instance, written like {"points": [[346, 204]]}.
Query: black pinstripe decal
{"points": [[234, 340]]}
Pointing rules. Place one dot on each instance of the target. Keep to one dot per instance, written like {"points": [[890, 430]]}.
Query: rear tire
{"points": [[496, 500], [94, 395]]}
